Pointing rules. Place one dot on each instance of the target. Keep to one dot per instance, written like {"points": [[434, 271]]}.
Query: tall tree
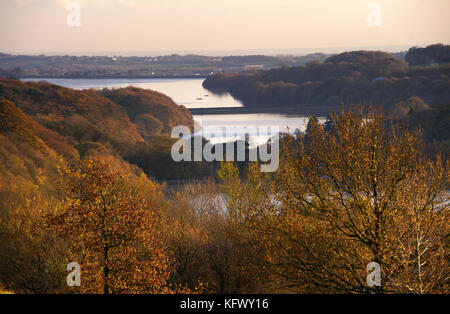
{"points": [[113, 231], [343, 199]]}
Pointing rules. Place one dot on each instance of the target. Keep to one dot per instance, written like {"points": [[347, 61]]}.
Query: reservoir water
{"points": [[190, 93]]}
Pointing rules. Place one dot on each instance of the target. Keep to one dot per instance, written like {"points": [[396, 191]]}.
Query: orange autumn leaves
{"points": [[358, 191], [113, 231]]}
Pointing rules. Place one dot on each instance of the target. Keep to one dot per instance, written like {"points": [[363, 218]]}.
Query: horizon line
{"points": [[222, 52]]}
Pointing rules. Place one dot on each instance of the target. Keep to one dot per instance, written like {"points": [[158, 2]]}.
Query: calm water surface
{"points": [[260, 127]]}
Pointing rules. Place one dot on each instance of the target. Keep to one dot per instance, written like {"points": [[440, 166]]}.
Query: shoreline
{"points": [[304, 110]]}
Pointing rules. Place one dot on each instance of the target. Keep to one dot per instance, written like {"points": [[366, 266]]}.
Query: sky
{"points": [[142, 26]]}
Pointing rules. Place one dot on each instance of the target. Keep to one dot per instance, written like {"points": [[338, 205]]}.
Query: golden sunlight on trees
{"points": [[361, 191], [113, 232], [210, 254], [363, 187], [31, 256]]}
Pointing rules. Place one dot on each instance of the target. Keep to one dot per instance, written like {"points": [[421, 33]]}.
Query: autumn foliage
{"points": [[76, 185], [360, 192], [113, 231]]}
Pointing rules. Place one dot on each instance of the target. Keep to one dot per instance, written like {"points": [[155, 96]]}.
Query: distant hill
{"points": [[350, 77], [433, 54], [95, 116], [82, 116], [152, 112], [42, 124]]}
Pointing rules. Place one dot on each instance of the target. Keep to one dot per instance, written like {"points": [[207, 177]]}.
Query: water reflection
{"points": [[213, 127]]}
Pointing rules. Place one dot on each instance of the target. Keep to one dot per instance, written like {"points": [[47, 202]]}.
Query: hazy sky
{"points": [[31, 26]]}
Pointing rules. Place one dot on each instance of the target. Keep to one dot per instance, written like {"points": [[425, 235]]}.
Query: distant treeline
{"points": [[433, 54], [351, 77], [172, 65]]}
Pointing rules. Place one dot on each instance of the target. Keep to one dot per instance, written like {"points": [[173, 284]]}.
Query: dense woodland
{"points": [[433, 54], [79, 177], [351, 77]]}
